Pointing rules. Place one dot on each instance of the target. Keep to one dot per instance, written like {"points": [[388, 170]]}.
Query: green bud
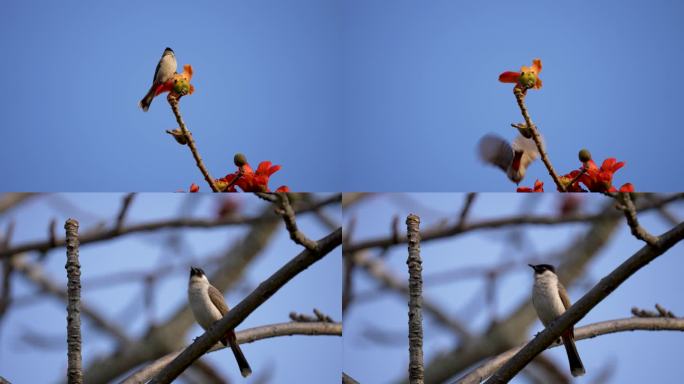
{"points": [[181, 86], [240, 159], [584, 155], [527, 80]]}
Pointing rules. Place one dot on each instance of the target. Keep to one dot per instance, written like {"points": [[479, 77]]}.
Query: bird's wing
{"points": [[564, 296], [495, 151], [217, 298], [528, 148]]}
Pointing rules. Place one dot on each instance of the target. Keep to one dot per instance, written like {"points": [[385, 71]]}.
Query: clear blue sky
{"points": [[265, 80], [420, 89], [318, 286], [657, 358]]}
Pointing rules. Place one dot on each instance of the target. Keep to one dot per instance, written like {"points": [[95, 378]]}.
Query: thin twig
{"points": [[287, 213], [346, 379], [415, 303], [520, 97], [467, 205], [73, 268], [576, 178], [191, 144], [125, 205], [627, 206]]}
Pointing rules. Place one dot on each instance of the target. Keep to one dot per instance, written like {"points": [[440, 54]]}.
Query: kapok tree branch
{"points": [[627, 206], [520, 97], [236, 315], [245, 336], [415, 315], [577, 311], [586, 332], [73, 268], [173, 102]]}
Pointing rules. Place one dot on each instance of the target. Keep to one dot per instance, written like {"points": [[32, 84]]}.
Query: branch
{"points": [[581, 333], [415, 288], [246, 336], [627, 206], [287, 213], [577, 311], [236, 315], [73, 268], [346, 379], [440, 231], [520, 97], [98, 235], [173, 102]]}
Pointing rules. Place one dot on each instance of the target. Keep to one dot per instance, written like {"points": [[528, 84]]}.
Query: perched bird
{"points": [[550, 300], [208, 306], [511, 158], [165, 70]]}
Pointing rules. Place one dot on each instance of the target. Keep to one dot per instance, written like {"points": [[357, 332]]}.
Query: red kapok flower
{"points": [[178, 85], [601, 179], [538, 187], [527, 78], [567, 179], [194, 188], [250, 181]]}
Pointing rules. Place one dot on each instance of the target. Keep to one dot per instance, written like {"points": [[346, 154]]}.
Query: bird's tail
{"points": [[147, 100], [576, 366], [245, 369]]}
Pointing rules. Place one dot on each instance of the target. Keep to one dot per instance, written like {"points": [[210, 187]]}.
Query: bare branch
{"points": [[520, 97], [439, 232], [467, 205], [125, 205], [586, 332], [577, 311], [73, 268], [415, 315], [660, 312], [245, 336], [173, 102], [346, 379], [627, 206], [236, 315], [287, 213]]}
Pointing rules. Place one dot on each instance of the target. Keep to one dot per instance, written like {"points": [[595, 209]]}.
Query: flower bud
{"points": [[584, 155], [240, 159], [527, 80]]}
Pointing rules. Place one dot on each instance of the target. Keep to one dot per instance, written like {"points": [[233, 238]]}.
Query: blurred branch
{"points": [[318, 317], [73, 268], [376, 269], [287, 213], [415, 288], [440, 231], [123, 211], [577, 311], [11, 200], [627, 206], [237, 314], [467, 205], [247, 336], [586, 332], [660, 312], [98, 235]]}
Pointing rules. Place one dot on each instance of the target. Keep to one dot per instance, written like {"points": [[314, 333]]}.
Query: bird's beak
{"points": [[532, 266]]}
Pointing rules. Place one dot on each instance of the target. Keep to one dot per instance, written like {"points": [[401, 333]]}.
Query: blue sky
{"points": [[265, 75], [421, 88], [317, 287], [657, 358], [367, 95]]}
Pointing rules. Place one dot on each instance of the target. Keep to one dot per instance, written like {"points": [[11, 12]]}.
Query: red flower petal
{"points": [[283, 188], [194, 188], [628, 187], [509, 77]]}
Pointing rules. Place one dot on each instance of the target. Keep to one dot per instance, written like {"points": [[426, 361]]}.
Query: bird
{"points": [[208, 306], [511, 158], [166, 68], [551, 300]]}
